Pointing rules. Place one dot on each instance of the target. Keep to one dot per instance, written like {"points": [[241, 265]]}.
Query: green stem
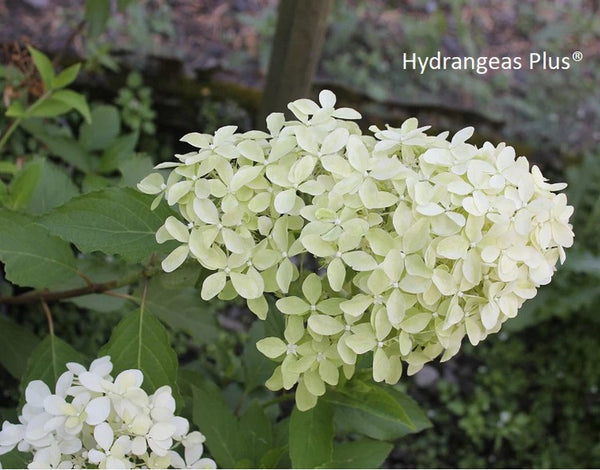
{"points": [[283, 397], [18, 120]]}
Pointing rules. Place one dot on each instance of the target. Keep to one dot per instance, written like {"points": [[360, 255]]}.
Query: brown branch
{"points": [[94, 288]]}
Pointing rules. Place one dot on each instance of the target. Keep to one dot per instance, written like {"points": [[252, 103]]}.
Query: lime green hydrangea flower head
{"points": [[421, 240]]}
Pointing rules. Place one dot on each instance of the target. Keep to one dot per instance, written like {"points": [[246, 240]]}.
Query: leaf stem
{"points": [[95, 288], [278, 399], [13, 126], [48, 317]]}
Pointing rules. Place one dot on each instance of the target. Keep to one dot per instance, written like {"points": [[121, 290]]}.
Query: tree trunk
{"points": [[301, 27]]}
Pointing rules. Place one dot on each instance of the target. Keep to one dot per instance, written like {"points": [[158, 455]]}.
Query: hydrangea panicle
{"points": [[93, 419], [423, 240]]}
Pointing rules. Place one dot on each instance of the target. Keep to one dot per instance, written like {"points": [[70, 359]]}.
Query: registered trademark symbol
{"points": [[577, 56]]}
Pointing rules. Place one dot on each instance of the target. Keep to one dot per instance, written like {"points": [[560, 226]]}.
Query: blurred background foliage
{"points": [[527, 397]]}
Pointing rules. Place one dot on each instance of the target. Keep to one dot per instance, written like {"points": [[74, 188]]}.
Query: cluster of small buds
{"points": [[422, 240], [93, 420]]}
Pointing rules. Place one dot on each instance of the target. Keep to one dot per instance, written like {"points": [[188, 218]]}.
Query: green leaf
{"points": [[16, 109], [96, 14], [74, 100], [364, 453], [311, 436], [115, 221], [41, 186], [104, 127], [217, 422], [50, 107], [140, 341], [8, 168], [255, 366], [370, 409], [183, 309], [258, 432], [67, 149], [17, 344], [118, 151], [32, 256], [15, 459], [43, 65], [48, 361], [66, 77]]}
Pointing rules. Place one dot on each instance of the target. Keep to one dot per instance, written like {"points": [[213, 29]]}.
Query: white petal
{"points": [[104, 436], [36, 392], [97, 410]]}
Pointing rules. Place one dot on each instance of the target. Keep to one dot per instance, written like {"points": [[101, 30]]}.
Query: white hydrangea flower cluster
{"points": [[424, 240], [93, 420]]}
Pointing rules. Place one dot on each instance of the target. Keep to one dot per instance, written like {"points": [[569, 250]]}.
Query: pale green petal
{"points": [[281, 147], [318, 247], [325, 325], [378, 282], [307, 139], [336, 274], [361, 343], [260, 202], [302, 169], [416, 323], [251, 150], [271, 347], [416, 237], [175, 258], [178, 191], [206, 211], [359, 261], [197, 140], [177, 229], [330, 306], [396, 307], [346, 113], [381, 365], [314, 383], [275, 382], [346, 354], [265, 258], [285, 274], [489, 315], [312, 288], [259, 307], [213, 285], [244, 176], [415, 266], [292, 306], [245, 285], [358, 155], [304, 399], [151, 184], [294, 329], [357, 305], [414, 284], [394, 370], [335, 141], [405, 343], [454, 247], [285, 200], [329, 372], [444, 281]]}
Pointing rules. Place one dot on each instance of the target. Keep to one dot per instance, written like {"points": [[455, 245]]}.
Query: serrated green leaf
{"points": [[17, 344], [118, 151], [140, 341], [48, 361], [103, 129], [218, 423], [66, 77], [182, 309], [256, 367], [364, 453], [32, 256], [40, 186], [311, 436], [74, 100], [43, 65], [115, 221], [370, 409], [258, 432], [67, 149]]}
